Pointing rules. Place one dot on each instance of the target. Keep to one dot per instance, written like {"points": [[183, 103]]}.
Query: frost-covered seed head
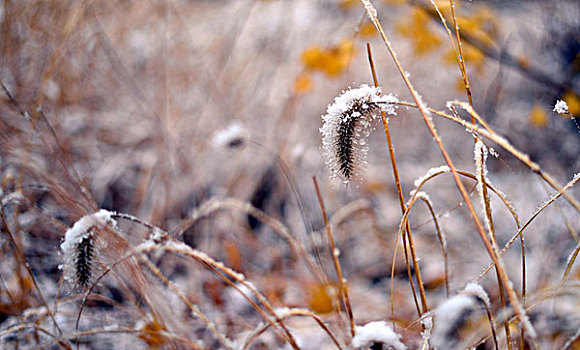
{"points": [[80, 250], [346, 127], [458, 318]]}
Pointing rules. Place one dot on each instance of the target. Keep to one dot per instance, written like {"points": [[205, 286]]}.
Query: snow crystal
{"points": [[561, 107], [377, 332]]}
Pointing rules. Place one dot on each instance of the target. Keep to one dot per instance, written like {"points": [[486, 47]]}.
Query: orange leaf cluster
{"points": [[330, 61], [417, 29], [573, 102], [481, 25], [321, 297], [538, 116]]}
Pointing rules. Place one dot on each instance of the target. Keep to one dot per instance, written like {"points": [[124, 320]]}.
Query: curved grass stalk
{"points": [[569, 185], [481, 175], [21, 257], [292, 313], [344, 212], [195, 311], [502, 142], [218, 268], [520, 311], [215, 204], [342, 287], [22, 326], [441, 238], [524, 158], [126, 330]]}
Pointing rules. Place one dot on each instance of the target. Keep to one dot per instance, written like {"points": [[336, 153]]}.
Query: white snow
{"points": [[234, 136], [79, 231], [478, 291], [377, 331], [431, 172], [448, 316], [81, 228], [561, 107]]}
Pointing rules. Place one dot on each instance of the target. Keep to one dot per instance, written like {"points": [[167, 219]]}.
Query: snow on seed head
{"points": [[459, 317], [79, 249], [346, 126]]}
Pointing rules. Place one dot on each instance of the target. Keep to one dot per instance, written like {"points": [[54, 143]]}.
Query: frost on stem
{"points": [[377, 335], [346, 127], [430, 173], [480, 157], [80, 250]]}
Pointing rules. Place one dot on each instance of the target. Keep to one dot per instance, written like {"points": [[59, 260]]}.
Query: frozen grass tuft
{"points": [[80, 250], [346, 126]]}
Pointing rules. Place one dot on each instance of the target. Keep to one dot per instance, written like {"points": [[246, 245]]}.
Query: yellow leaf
{"points": [[303, 83], [472, 56], [346, 4], [321, 296], [396, 2], [538, 116], [151, 334], [367, 30], [313, 57], [573, 102], [481, 25], [418, 31], [444, 5], [524, 61], [331, 61]]}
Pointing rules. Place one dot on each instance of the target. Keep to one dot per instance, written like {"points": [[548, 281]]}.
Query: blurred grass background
{"points": [[123, 99]]}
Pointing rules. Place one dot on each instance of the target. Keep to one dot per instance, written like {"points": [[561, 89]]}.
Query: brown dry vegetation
{"points": [[115, 105]]}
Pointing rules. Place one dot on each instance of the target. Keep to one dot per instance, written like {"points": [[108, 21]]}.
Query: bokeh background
{"points": [[120, 101]]}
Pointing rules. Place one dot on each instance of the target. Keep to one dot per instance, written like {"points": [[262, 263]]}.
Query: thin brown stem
{"points": [[520, 311], [343, 293], [401, 202]]}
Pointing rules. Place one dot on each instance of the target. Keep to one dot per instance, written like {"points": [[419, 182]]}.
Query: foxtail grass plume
{"points": [[346, 126], [80, 250], [460, 317]]}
